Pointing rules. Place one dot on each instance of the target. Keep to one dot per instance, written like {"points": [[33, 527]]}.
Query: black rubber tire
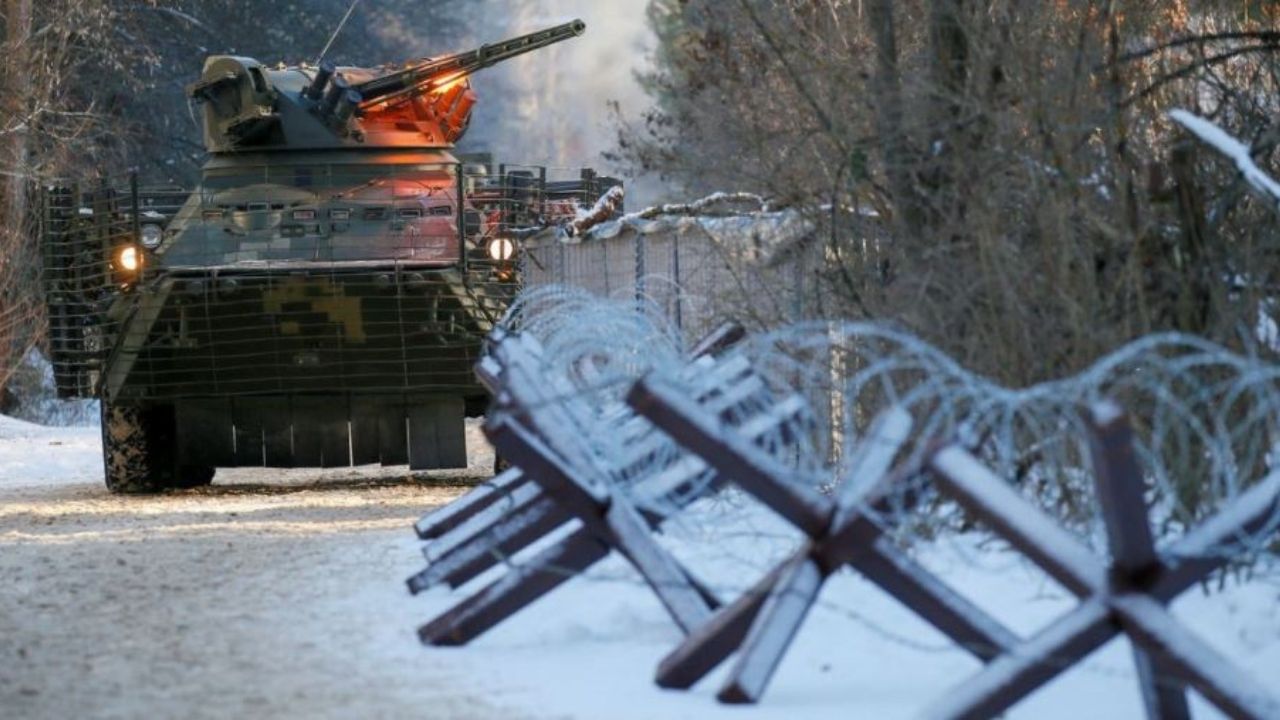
{"points": [[138, 451], [475, 405], [128, 463], [193, 476]]}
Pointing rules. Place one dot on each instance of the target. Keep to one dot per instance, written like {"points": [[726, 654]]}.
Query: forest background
{"points": [[997, 176]]}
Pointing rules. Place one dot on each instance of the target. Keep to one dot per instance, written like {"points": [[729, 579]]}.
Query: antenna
{"points": [[334, 36]]}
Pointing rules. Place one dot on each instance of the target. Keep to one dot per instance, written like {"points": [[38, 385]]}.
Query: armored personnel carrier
{"points": [[321, 299]]}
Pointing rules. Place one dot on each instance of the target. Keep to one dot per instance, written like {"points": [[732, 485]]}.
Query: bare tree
{"points": [[17, 307], [67, 62], [998, 177]]}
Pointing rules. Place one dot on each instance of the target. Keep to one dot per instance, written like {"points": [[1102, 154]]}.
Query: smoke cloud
{"points": [[552, 107]]}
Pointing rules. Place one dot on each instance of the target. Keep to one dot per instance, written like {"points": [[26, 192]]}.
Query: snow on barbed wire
{"points": [[1206, 420]]}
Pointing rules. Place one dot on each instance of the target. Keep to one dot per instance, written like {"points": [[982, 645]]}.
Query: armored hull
{"points": [[320, 299], [310, 367], [374, 328]]}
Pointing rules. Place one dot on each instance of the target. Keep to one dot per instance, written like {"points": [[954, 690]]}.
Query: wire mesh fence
{"points": [[758, 266], [297, 278]]}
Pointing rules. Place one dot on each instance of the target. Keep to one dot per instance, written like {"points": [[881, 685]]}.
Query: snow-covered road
{"points": [[267, 595], [281, 595]]}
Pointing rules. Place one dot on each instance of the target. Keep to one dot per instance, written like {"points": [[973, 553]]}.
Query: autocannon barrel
{"points": [[430, 73]]}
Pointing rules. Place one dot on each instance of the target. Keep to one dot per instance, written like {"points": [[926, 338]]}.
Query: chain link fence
{"points": [[761, 268]]}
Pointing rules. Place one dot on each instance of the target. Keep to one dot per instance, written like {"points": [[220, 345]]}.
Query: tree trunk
{"points": [[16, 89], [948, 143], [16, 294], [948, 59], [887, 87]]}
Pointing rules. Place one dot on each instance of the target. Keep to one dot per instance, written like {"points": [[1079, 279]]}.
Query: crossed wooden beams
{"points": [[1128, 595], [546, 490], [559, 478], [846, 530], [499, 518], [512, 490]]}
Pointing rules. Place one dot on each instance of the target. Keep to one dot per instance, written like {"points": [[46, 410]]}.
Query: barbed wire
{"points": [[1204, 419]]}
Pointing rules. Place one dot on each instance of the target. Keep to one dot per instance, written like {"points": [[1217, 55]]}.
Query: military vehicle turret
{"points": [[320, 300]]}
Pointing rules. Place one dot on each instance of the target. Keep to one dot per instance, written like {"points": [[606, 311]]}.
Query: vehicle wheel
{"points": [[476, 405], [193, 476], [128, 465], [500, 464]]}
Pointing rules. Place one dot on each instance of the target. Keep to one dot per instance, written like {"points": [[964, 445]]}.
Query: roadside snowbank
{"points": [[36, 393], [33, 455]]}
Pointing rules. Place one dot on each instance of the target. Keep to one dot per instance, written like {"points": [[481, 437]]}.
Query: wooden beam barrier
{"points": [[492, 524], [488, 495], [761, 623], [1129, 595], [531, 433]]}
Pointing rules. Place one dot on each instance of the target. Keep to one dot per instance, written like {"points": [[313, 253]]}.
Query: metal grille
{"points": [[290, 279], [698, 272]]}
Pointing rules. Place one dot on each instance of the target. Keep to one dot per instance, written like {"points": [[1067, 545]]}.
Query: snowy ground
{"points": [[281, 595], [262, 596]]}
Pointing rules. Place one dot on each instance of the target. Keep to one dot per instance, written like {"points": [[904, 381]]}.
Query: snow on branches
{"points": [[1238, 152]]}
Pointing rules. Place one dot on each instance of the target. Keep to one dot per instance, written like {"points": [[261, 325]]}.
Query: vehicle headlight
{"points": [[129, 258], [502, 249], [152, 234]]}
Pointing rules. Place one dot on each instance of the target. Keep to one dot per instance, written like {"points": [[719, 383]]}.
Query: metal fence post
{"points": [[640, 268], [675, 277], [137, 210], [797, 285], [563, 274], [542, 192], [604, 262], [462, 223]]}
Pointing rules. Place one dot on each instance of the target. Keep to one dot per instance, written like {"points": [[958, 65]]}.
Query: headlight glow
{"points": [[129, 259], [151, 236], [501, 249]]}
